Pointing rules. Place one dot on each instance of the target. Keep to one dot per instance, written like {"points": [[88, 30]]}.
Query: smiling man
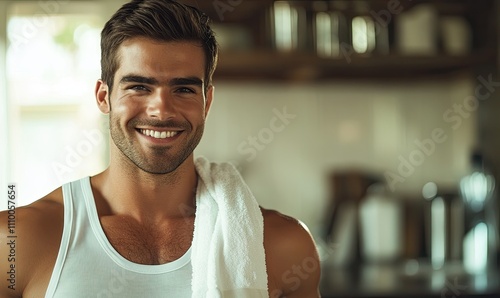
{"points": [[125, 232]]}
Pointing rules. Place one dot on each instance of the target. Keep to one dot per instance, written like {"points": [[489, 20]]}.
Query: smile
{"points": [[158, 134]]}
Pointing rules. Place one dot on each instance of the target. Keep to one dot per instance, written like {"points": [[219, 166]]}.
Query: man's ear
{"points": [[208, 99], [102, 96]]}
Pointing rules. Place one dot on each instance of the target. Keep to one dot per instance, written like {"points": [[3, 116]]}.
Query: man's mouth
{"points": [[158, 134]]}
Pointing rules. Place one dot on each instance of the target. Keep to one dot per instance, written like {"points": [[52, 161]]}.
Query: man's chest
{"points": [[150, 245]]}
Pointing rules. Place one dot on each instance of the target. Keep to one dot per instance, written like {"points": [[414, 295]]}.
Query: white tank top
{"points": [[88, 266]]}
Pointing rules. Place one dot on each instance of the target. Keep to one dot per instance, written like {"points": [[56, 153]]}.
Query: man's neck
{"points": [[148, 198]]}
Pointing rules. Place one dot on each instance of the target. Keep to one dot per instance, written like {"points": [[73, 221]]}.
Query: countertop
{"points": [[407, 279]]}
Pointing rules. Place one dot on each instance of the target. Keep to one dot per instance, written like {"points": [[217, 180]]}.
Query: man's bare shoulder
{"points": [[291, 256], [40, 212], [47, 211], [35, 232], [285, 232]]}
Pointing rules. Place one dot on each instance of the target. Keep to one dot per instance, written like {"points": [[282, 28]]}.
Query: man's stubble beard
{"points": [[163, 160]]}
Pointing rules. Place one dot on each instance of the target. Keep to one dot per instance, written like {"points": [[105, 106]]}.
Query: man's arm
{"points": [[10, 277], [29, 243], [291, 257]]}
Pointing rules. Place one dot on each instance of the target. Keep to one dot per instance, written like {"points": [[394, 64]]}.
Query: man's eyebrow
{"points": [[195, 81], [186, 81], [138, 79]]}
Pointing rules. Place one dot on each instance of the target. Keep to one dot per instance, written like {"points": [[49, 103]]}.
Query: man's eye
{"points": [[185, 90], [138, 88]]}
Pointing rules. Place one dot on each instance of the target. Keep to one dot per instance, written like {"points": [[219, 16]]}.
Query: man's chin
{"points": [[162, 168]]}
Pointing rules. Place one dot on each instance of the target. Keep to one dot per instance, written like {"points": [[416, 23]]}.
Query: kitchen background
{"points": [[336, 112]]}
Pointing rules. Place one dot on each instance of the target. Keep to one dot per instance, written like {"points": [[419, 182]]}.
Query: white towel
{"points": [[227, 254]]}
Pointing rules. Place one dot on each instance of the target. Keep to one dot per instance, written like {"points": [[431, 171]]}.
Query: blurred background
{"points": [[373, 122]]}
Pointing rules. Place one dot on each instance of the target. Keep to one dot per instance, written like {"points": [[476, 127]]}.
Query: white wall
{"points": [[337, 125]]}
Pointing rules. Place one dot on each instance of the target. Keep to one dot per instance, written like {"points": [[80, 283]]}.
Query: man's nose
{"points": [[162, 106]]}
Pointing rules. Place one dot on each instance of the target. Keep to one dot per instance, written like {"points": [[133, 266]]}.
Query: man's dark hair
{"points": [[162, 20]]}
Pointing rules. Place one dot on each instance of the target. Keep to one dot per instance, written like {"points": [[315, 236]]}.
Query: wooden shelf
{"points": [[242, 10], [272, 65], [233, 11], [261, 62]]}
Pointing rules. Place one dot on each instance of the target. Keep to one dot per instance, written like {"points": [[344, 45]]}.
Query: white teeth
{"points": [[158, 134]]}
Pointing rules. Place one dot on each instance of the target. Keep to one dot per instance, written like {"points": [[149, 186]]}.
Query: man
{"points": [[127, 230]]}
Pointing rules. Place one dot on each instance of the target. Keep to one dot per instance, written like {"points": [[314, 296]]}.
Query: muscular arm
{"points": [[31, 255], [291, 257], [9, 286]]}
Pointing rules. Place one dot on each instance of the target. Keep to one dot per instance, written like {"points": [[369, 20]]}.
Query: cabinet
{"points": [[258, 55]]}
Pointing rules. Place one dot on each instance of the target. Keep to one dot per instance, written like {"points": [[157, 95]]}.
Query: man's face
{"points": [[158, 106]]}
